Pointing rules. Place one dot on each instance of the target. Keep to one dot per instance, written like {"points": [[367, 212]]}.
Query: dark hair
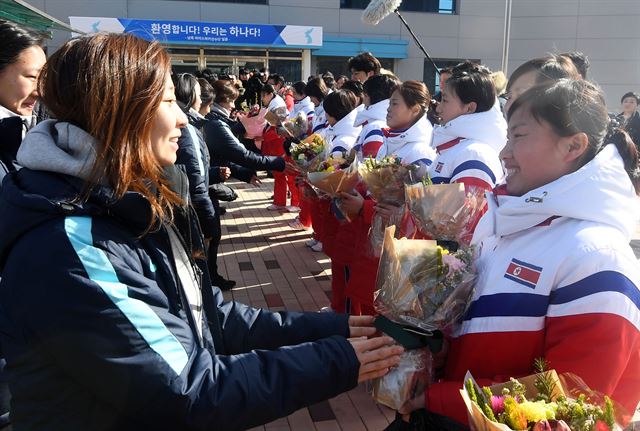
{"points": [[415, 93], [277, 79], [185, 88], [206, 91], [355, 87], [329, 80], [580, 61], [472, 83], [365, 62], [380, 87], [316, 88], [550, 68], [225, 92], [267, 89], [15, 39], [346, 78], [300, 87], [573, 106], [630, 94], [207, 74], [339, 103]]}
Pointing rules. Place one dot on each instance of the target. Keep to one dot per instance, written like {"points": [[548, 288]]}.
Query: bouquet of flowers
{"points": [[422, 288], [276, 116], [535, 403], [295, 127], [254, 122], [385, 180], [308, 154], [446, 211], [337, 173]]}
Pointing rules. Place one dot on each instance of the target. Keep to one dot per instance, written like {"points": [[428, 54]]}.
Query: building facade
{"points": [[451, 31]]}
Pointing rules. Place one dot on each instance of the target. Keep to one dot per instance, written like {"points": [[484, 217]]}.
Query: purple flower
{"points": [[497, 404]]}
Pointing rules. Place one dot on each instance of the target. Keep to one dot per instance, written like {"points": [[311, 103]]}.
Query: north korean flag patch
{"points": [[439, 167], [523, 273]]}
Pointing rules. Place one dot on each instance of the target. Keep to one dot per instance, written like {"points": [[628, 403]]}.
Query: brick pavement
{"points": [[273, 269]]}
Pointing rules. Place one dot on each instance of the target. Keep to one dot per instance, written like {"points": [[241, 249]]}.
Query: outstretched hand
{"points": [[376, 356]]}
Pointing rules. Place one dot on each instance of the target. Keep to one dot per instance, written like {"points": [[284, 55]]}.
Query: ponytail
{"points": [[628, 152]]}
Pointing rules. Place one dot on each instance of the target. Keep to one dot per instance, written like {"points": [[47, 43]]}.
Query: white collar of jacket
{"points": [[196, 114], [345, 126], [277, 102], [60, 147], [375, 112], [304, 105], [600, 192], [28, 121], [394, 141], [488, 127], [218, 109]]}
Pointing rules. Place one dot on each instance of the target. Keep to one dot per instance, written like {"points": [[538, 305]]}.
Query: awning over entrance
{"points": [[334, 46], [29, 16]]}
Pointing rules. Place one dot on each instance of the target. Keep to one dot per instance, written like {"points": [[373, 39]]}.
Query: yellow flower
{"points": [[536, 411], [514, 416], [330, 169]]}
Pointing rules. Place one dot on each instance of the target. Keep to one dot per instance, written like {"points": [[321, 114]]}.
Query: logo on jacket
{"points": [[439, 167], [523, 273]]}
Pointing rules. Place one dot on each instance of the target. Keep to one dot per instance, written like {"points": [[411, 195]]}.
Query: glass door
{"points": [[184, 63]]}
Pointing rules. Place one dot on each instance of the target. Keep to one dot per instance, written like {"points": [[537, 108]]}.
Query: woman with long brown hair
{"points": [[108, 319]]}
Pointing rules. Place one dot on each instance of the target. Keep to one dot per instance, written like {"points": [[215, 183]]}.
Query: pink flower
{"points": [[601, 426], [497, 404]]}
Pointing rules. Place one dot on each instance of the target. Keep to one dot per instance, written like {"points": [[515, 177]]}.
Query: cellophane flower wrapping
{"points": [[423, 286], [297, 126], [562, 403], [405, 381], [337, 173], [308, 154], [254, 124], [385, 180], [446, 211]]}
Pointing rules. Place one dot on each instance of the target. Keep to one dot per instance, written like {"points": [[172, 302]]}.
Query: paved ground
{"points": [[275, 270]]}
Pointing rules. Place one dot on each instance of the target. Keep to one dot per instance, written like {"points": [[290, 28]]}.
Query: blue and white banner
{"points": [[206, 33]]}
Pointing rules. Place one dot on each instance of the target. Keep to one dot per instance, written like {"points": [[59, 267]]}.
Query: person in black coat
{"points": [[221, 133], [193, 154], [629, 118]]}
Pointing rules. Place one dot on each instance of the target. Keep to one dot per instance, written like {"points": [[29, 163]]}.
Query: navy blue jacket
{"points": [[94, 329], [10, 139], [224, 147]]}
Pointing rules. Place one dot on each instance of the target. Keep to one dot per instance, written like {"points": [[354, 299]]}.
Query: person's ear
{"points": [[574, 146], [471, 107]]}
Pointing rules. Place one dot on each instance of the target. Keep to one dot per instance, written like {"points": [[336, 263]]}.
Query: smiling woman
{"points": [[21, 58]]}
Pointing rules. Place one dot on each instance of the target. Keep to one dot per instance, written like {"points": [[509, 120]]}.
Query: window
{"points": [[432, 6], [431, 78]]}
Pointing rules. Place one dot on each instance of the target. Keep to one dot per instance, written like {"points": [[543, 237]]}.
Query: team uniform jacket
{"points": [[93, 321], [468, 148], [305, 106], [372, 119], [319, 124], [557, 279], [342, 136]]}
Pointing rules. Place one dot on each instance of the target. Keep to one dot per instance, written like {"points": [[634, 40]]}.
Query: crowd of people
{"points": [[111, 312]]}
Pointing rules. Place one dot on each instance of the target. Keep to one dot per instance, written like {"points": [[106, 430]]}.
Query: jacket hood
{"points": [[345, 128], [59, 147], [599, 192], [57, 158], [277, 102], [305, 105], [376, 112], [488, 127], [410, 145]]}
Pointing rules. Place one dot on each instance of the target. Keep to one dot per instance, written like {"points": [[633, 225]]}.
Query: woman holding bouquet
{"points": [[557, 278], [114, 324], [473, 130], [407, 137]]}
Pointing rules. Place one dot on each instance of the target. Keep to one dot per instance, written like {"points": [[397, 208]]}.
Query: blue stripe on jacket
{"points": [[605, 281], [474, 164], [142, 317], [508, 304]]}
